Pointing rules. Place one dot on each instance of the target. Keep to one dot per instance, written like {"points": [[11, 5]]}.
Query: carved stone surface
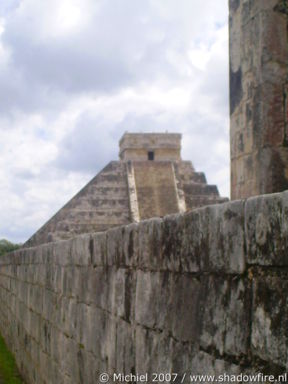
{"points": [[258, 97], [193, 293]]}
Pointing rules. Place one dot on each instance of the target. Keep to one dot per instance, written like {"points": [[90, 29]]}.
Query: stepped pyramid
{"points": [[149, 180]]}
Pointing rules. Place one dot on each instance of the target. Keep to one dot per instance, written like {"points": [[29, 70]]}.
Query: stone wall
{"points": [[203, 293], [258, 97]]}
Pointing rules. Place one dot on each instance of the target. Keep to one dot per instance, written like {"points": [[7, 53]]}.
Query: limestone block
{"points": [[266, 226], [56, 283], [34, 326], [186, 304], [90, 321], [153, 352], [49, 305], [269, 320], [125, 344], [98, 287], [109, 350], [13, 285], [222, 240], [205, 364], [45, 336], [182, 355], [68, 356], [66, 316], [131, 245], [226, 316], [35, 354], [23, 291], [50, 276], [29, 274], [40, 274], [95, 367], [80, 283], [150, 243], [173, 249], [68, 282], [90, 367], [152, 307], [80, 250], [115, 246], [55, 344], [62, 252], [47, 254], [122, 294], [98, 248]]}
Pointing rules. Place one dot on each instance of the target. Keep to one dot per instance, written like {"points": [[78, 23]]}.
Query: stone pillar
{"points": [[258, 96]]}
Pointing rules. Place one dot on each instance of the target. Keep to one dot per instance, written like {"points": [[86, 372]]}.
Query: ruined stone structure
{"points": [[203, 292], [258, 96], [149, 180]]}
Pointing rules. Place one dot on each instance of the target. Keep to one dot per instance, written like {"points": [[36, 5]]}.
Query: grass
{"points": [[8, 370]]}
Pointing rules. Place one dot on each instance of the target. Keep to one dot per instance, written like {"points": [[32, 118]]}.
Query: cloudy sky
{"points": [[76, 74]]}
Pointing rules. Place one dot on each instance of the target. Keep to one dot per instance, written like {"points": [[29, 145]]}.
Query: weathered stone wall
{"points": [[204, 292], [258, 96]]}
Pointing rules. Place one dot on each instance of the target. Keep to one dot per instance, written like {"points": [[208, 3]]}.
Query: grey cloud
{"points": [[89, 147], [116, 50], [126, 42]]}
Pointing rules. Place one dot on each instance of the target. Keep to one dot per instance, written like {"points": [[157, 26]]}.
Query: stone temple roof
{"points": [[149, 180]]}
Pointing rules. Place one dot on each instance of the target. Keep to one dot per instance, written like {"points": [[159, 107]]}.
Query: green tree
{"points": [[7, 246]]}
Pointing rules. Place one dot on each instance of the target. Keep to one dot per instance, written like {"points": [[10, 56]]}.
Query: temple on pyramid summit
{"points": [[149, 180]]}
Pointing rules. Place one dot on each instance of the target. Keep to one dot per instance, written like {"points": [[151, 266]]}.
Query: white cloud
{"points": [[76, 74]]}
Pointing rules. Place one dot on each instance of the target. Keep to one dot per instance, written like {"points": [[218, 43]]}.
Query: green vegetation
{"points": [[7, 246], [8, 370]]}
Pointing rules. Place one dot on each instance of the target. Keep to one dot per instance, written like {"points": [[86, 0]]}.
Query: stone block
{"points": [[68, 356], [122, 294], [226, 316], [92, 320], [186, 304], [270, 319], [62, 252], [131, 245], [34, 327], [98, 287], [152, 307], [40, 274], [174, 237], [115, 246], [153, 352], [109, 350], [150, 244], [222, 238], [80, 282], [68, 281], [66, 317], [45, 336], [266, 226], [205, 364], [182, 355], [55, 344], [80, 250], [49, 305], [98, 249], [125, 344]]}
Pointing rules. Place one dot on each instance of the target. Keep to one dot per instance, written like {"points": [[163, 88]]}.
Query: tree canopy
{"points": [[7, 246]]}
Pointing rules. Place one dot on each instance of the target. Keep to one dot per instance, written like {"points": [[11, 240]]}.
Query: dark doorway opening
{"points": [[150, 155]]}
